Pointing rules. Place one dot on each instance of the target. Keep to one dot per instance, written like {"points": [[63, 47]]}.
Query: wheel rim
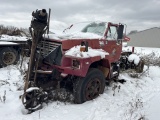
{"points": [[30, 100], [8, 58], [93, 89]]}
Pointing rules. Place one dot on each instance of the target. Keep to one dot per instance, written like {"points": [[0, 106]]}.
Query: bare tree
{"points": [[13, 31]]}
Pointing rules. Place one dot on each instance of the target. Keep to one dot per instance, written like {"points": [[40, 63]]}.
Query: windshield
{"points": [[97, 28]]}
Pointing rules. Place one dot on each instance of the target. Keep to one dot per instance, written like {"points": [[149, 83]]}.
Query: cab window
{"points": [[112, 33]]}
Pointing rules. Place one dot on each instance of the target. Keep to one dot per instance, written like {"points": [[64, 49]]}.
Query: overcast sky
{"points": [[137, 14]]}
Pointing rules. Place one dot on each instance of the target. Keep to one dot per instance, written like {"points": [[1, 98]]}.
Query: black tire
{"points": [[89, 87], [140, 66], [8, 56]]}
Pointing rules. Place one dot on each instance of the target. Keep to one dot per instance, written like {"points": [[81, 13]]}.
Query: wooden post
{"points": [[132, 49]]}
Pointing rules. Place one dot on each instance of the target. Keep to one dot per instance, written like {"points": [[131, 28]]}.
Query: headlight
{"points": [[76, 64]]}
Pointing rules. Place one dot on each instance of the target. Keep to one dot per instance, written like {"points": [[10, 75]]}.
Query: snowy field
{"points": [[136, 98]]}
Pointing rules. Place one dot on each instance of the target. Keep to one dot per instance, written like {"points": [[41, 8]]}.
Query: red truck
{"points": [[82, 61]]}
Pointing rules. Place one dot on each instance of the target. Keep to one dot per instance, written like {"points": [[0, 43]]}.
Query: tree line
{"points": [[13, 31]]}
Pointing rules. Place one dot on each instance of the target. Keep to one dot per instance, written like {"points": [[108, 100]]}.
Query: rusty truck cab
{"points": [[110, 41]]}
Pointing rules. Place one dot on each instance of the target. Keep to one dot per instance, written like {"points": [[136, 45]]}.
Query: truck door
{"points": [[113, 46]]}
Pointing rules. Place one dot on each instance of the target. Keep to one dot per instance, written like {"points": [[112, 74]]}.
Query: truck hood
{"points": [[76, 35], [70, 40], [58, 44]]}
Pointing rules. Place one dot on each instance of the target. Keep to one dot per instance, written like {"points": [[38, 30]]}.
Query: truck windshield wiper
{"points": [[67, 28]]}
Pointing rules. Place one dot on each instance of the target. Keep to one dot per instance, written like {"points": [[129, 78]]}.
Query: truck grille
{"points": [[47, 47]]}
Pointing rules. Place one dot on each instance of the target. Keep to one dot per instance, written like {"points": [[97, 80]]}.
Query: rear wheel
{"points": [[89, 87], [8, 56]]}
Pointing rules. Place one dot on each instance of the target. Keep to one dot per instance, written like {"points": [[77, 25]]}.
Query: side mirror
{"points": [[120, 32]]}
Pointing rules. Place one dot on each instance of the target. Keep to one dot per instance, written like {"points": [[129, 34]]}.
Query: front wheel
{"points": [[89, 87]]}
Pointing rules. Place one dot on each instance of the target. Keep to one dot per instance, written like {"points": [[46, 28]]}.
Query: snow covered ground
{"points": [[137, 97]]}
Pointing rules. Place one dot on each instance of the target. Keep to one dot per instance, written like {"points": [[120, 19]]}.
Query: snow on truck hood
{"points": [[76, 35], [75, 52]]}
